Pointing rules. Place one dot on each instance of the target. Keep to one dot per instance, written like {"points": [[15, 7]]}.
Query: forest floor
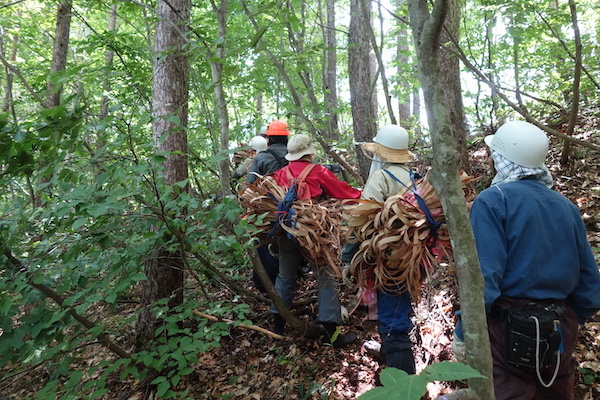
{"points": [[251, 365]]}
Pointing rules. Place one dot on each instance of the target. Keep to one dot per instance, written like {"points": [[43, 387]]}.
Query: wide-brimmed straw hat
{"points": [[390, 145], [299, 146], [387, 154]]}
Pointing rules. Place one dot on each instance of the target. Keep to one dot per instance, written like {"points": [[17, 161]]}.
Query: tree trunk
{"points": [[216, 67], [7, 102], [108, 62], [61, 48], [564, 158], [170, 105], [379, 58], [330, 73], [362, 97], [404, 65], [426, 29], [450, 68]]}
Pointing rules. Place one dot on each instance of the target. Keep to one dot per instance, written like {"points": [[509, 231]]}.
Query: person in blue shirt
{"points": [[533, 251]]}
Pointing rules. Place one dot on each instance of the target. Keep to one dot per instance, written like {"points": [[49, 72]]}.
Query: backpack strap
{"points": [[281, 160], [300, 179], [306, 171], [285, 214], [421, 202]]}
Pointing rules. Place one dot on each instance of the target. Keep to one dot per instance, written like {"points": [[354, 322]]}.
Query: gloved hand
{"points": [[346, 277]]}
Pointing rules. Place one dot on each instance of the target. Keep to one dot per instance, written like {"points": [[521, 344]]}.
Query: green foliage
{"points": [[398, 385], [588, 375]]}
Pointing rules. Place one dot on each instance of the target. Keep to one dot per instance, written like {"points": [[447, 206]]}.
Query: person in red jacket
{"points": [[321, 183]]}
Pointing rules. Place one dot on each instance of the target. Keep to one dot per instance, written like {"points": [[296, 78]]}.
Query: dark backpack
{"points": [[282, 162]]}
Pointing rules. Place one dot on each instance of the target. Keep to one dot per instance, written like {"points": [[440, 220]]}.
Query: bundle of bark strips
{"points": [[317, 226], [398, 245]]}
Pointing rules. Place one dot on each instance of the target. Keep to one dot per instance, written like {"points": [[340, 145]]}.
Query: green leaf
{"points": [[79, 223], [162, 388], [450, 371], [111, 298], [140, 276], [400, 385], [378, 393], [158, 380]]}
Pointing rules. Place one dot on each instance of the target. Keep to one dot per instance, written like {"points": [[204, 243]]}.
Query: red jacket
{"points": [[320, 180]]}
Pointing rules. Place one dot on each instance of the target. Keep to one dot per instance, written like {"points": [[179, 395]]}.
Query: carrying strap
{"points": [[422, 205], [281, 160], [300, 180], [285, 214]]}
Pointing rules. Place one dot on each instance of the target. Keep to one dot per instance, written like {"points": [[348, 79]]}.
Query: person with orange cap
{"points": [[273, 158], [265, 162]]}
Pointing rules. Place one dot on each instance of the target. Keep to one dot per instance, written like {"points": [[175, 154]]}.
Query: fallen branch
{"points": [[252, 327]]}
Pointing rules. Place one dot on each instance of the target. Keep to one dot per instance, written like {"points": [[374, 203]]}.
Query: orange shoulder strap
{"points": [[306, 171]]}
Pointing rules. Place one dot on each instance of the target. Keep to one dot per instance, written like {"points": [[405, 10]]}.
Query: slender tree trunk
{"points": [[404, 66], [426, 29], [165, 270], [108, 62], [61, 48], [491, 64], [450, 67], [258, 100], [7, 102], [379, 59], [362, 97], [564, 158], [330, 73], [216, 67]]}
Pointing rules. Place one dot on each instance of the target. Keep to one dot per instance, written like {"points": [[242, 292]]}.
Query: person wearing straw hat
{"points": [[536, 263], [390, 146], [321, 183]]}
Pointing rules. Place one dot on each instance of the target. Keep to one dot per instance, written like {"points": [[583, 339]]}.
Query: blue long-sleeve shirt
{"points": [[532, 244]]}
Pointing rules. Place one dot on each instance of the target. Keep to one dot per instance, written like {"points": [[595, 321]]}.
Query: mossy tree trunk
{"points": [[427, 26]]}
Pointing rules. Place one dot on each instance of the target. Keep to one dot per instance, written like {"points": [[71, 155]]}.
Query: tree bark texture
{"points": [[330, 73], [7, 102], [564, 158], [404, 64], [60, 51], [450, 67], [362, 96], [426, 29], [216, 67], [108, 62], [170, 104]]}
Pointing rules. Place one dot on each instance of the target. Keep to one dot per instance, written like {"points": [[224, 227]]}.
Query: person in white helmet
{"points": [[244, 159], [390, 146], [540, 274]]}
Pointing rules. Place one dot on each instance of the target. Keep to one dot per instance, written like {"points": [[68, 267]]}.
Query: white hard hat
{"points": [[390, 145], [392, 136], [258, 143], [520, 142]]}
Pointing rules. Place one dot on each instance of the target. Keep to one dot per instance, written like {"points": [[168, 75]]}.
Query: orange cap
{"points": [[278, 128]]}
